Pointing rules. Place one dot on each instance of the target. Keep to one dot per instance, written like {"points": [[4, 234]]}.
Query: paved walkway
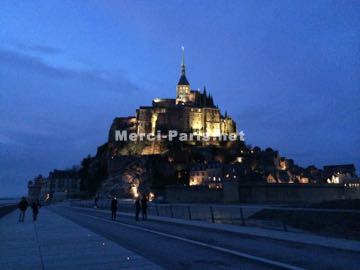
{"points": [[54, 242]]}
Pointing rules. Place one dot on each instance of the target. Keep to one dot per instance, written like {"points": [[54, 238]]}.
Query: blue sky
{"points": [[286, 71]]}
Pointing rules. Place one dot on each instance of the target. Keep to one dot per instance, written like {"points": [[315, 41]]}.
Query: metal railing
{"points": [[329, 222], [268, 217]]}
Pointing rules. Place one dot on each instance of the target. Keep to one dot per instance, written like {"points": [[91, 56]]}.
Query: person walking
{"points": [[96, 201], [137, 208], [113, 208], [23, 205], [35, 209], [144, 207]]}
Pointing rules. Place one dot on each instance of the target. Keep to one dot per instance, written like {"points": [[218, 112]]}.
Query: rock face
{"points": [[130, 176], [138, 166], [127, 175], [132, 172]]}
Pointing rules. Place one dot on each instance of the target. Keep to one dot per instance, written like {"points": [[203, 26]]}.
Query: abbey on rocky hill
{"points": [[192, 111]]}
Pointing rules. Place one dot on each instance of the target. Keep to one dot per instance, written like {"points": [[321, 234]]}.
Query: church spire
{"points": [[182, 62], [183, 80]]}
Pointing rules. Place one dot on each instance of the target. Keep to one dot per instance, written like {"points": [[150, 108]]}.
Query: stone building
{"points": [[213, 174], [34, 188], [59, 185], [192, 111], [340, 174], [209, 174]]}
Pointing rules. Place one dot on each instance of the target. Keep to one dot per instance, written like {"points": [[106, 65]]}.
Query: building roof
{"points": [[183, 80], [344, 167], [64, 174]]}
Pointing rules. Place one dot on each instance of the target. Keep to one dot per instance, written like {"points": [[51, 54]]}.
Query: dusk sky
{"points": [[288, 72]]}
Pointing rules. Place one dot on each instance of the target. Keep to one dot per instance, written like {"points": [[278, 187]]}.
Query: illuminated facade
{"points": [[191, 111]]}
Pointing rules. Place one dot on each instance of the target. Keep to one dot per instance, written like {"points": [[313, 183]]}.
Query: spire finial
{"points": [[183, 49], [182, 62]]}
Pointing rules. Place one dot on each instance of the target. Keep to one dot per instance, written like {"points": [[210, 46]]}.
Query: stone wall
{"points": [[198, 194], [289, 193], [233, 192]]}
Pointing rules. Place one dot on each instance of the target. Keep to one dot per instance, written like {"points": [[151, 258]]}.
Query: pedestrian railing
{"points": [[277, 218]]}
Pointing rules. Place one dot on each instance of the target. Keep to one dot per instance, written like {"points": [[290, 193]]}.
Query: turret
{"points": [[183, 86]]}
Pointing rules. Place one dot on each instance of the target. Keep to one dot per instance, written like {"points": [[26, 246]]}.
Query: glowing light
{"points": [[134, 191], [334, 180], [151, 196], [283, 165]]}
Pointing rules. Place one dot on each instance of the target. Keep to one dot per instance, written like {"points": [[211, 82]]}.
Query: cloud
{"points": [[25, 64], [52, 117], [10, 60], [36, 48]]}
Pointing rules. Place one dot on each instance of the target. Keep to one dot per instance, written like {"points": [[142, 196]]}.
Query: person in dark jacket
{"points": [[113, 208], [137, 208], [35, 209], [144, 207], [23, 205], [96, 201]]}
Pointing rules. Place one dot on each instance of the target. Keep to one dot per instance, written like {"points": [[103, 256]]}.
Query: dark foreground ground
{"points": [[170, 245], [72, 238], [336, 223], [342, 225]]}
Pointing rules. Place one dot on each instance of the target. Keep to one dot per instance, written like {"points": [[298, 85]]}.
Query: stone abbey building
{"points": [[191, 111], [193, 171]]}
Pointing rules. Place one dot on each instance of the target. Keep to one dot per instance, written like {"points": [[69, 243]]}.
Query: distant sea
{"points": [[8, 200]]}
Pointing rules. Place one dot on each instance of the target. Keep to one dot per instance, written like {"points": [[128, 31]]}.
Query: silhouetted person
{"points": [[113, 208], [137, 208], [23, 205], [35, 209], [144, 207], [96, 201]]}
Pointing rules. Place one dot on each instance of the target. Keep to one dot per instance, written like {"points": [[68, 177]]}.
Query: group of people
{"points": [[140, 205], [23, 206]]}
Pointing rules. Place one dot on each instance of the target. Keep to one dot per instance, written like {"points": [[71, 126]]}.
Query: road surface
{"points": [[174, 246]]}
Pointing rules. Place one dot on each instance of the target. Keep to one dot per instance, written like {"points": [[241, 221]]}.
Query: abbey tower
{"points": [[192, 111]]}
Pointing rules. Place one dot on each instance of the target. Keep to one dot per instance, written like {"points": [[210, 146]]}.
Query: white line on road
{"points": [[225, 250]]}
